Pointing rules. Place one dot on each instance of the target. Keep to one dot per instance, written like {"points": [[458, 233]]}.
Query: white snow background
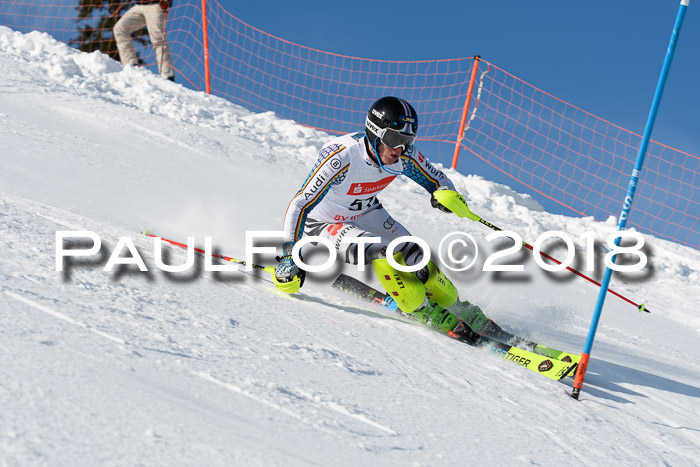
{"points": [[197, 368]]}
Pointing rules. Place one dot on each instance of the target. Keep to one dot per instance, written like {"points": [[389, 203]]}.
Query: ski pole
{"points": [[640, 307], [267, 269], [289, 287], [456, 203]]}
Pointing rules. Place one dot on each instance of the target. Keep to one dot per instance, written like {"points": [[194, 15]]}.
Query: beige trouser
{"points": [[153, 17]]}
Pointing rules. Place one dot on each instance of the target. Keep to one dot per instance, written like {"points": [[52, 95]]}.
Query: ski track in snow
{"points": [[135, 367]]}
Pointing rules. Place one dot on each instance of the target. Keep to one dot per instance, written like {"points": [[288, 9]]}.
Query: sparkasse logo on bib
{"points": [[365, 188]]}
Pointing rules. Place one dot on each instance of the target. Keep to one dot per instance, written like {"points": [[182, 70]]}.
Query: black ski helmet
{"points": [[392, 121]]}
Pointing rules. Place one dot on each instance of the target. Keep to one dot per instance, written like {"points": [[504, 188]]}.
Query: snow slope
{"points": [[206, 368]]}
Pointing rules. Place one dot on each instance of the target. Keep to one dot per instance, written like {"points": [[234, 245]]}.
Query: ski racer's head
{"points": [[392, 123]]}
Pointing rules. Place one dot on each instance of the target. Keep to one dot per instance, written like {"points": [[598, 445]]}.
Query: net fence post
{"points": [[205, 43], [465, 111]]}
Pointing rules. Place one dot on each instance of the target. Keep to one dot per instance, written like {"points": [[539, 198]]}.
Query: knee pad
{"points": [[438, 288], [404, 287]]}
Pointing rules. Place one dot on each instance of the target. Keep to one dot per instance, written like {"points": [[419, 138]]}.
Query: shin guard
{"points": [[438, 288], [404, 287]]}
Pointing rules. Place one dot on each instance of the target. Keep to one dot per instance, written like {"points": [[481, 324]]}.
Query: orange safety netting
{"points": [[564, 154], [581, 161]]}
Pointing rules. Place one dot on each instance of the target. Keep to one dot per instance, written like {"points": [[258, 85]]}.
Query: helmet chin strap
{"points": [[373, 143]]}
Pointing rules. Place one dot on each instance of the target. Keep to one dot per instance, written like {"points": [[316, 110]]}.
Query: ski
{"points": [[494, 331], [358, 289], [547, 366], [354, 287]]}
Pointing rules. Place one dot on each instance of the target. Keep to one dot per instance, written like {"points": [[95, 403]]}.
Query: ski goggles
{"points": [[390, 137], [394, 139]]}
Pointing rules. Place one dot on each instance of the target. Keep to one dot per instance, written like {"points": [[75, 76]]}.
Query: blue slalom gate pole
{"points": [[627, 204]]}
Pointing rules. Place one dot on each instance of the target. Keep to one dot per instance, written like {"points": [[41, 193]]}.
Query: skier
{"points": [[338, 200]]}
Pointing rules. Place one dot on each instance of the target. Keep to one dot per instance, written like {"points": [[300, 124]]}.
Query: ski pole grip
{"points": [[455, 203]]}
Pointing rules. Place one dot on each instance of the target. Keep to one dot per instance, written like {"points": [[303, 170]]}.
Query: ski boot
{"points": [[442, 320], [433, 315], [413, 298], [464, 333], [473, 316]]}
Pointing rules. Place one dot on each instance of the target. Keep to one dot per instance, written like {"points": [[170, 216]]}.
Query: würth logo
{"points": [[365, 188]]}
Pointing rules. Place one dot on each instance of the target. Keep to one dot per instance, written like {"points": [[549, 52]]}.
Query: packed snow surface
{"points": [[202, 368]]}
